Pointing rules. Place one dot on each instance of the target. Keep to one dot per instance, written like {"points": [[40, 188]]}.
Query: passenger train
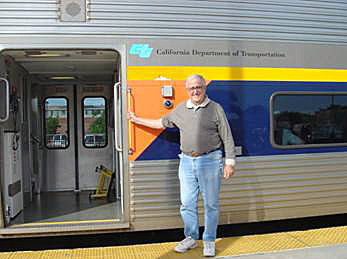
{"points": [[72, 71]]}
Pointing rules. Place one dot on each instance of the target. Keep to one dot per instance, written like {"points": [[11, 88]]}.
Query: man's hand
{"points": [[228, 171], [131, 116]]}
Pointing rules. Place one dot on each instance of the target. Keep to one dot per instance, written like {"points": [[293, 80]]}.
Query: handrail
{"points": [[131, 149], [117, 104], [7, 100]]}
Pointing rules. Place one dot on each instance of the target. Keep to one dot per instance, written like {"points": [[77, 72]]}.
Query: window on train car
{"points": [[94, 122], [309, 119], [56, 123], [3, 99]]}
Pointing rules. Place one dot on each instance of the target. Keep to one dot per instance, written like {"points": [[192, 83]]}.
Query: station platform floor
{"points": [[330, 243]]}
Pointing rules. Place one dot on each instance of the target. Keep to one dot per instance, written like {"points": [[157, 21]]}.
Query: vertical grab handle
{"points": [[7, 85], [130, 127], [117, 104]]}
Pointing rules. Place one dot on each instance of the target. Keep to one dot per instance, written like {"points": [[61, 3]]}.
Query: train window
{"points": [[56, 123], [3, 99], [94, 122], [305, 119]]}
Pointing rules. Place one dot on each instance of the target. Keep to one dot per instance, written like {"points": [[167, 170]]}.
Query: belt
{"points": [[195, 154]]}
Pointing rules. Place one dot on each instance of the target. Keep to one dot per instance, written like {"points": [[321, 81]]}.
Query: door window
{"points": [[94, 122], [56, 123]]}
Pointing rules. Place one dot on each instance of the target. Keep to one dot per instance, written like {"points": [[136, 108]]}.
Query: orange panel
{"points": [[146, 101]]}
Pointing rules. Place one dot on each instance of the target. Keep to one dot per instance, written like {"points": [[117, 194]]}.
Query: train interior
{"points": [[58, 150]]}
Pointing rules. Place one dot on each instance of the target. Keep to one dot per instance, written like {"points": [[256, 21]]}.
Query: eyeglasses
{"points": [[191, 89]]}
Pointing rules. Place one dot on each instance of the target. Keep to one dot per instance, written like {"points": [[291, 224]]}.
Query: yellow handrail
{"points": [[130, 127]]}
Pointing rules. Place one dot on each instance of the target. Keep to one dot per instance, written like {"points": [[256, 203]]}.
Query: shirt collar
{"points": [[191, 105]]}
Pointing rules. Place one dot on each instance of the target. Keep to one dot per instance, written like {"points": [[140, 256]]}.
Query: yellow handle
{"points": [[130, 127]]}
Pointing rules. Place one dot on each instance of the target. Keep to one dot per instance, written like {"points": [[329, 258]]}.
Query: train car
{"points": [[70, 70]]}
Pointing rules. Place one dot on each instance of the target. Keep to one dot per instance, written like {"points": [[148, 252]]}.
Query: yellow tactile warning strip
{"points": [[267, 243]]}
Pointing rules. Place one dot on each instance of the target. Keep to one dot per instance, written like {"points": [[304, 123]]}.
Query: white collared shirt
{"points": [[191, 105]]}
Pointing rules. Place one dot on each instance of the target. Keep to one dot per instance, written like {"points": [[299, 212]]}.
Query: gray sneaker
{"points": [[209, 248], [185, 244]]}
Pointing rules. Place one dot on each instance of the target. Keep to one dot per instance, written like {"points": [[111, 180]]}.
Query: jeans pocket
{"points": [[215, 155]]}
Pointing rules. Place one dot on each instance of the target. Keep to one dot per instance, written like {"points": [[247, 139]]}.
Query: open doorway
{"points": [[66, 126]]}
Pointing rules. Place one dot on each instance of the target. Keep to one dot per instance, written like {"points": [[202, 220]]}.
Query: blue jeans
{"points": [[200, 174]]}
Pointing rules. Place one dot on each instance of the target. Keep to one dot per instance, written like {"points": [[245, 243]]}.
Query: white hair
{"points": [[198, 77]]}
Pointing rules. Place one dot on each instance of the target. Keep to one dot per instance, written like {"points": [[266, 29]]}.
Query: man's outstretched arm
{"points": [[154, 124]]}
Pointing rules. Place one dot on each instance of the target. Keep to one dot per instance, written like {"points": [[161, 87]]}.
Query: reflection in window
{"points": [[94, 122], [56, 123], [301, 119]]}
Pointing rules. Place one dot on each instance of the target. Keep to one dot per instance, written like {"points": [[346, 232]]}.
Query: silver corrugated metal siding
{"points": [[295, 20], [263, 188]]}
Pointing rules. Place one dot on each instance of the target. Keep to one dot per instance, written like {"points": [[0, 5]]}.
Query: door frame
{"points": [[55, 43]]}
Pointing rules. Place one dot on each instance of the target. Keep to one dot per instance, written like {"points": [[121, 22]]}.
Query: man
{"points": [[203, 130]]}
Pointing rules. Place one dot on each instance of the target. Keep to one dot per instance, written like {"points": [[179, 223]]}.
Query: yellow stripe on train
{"points": [[237, 73]]}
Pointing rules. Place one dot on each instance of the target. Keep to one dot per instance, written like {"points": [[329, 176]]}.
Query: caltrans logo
{"points": [[141, 50]]}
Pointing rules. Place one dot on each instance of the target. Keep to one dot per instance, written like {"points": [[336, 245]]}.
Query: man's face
{"points": [[196, 91]]}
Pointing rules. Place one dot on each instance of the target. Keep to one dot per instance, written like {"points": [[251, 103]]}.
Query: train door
{"points": [[77, 135], [58, 159], [70, 95], [95, 147], [77, 143]]}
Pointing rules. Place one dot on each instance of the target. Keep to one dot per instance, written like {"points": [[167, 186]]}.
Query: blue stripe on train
{"points": [[247, 105]]}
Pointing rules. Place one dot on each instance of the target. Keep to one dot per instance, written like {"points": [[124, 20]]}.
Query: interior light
{"points": [[43, 54], [63, 78], [46, 55]]}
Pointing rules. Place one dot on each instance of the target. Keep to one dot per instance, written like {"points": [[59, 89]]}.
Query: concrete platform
{"points": [[328, 252], [327, 243]]}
